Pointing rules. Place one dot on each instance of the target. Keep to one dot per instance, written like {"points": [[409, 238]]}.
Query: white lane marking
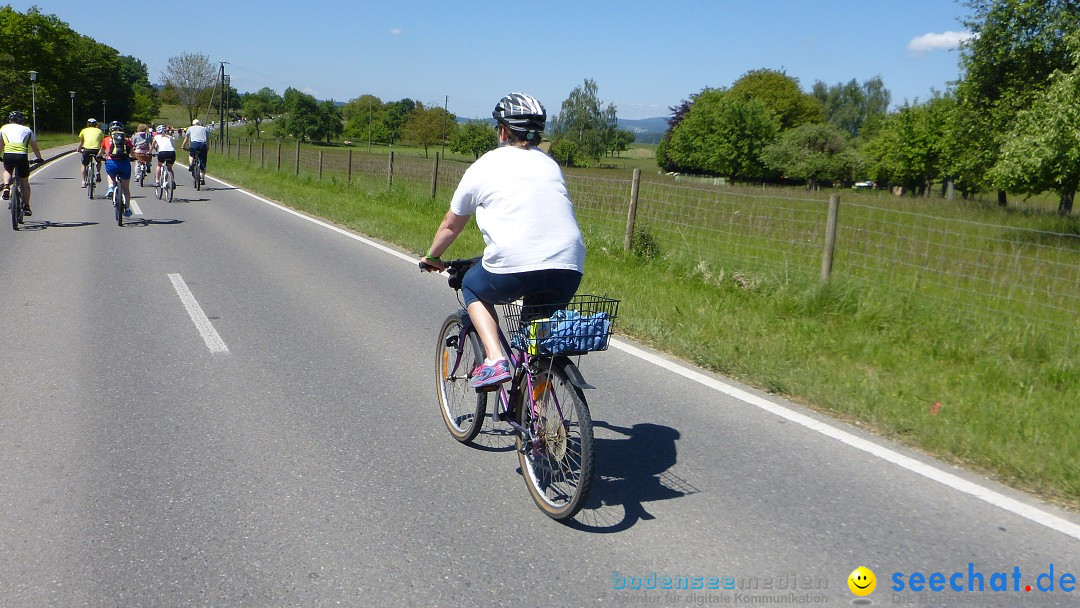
{"points": [[955, 482], [135, 210], [202, 323]]}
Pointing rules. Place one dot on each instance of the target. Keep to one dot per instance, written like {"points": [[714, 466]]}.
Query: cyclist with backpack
{"points": [[117, 150]]}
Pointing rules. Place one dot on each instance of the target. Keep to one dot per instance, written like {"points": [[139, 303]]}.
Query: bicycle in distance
{"points": [[543, 403], [91, 177], [120, 202], [167, 184], [17, 200], [142, 168]]}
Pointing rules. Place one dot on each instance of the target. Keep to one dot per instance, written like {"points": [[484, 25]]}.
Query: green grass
{"points": [[856, 347]]}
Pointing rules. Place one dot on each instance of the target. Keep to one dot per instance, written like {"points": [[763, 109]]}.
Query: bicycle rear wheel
{"points": [[91, 179], [196, 172], [557, 461], [462, 407], [170, 188], [118, 203], [15, 203]]}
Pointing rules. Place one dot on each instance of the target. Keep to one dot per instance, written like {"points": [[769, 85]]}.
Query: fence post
{"points": [[297, 168], [238, 142], [434, 175], [390, 172], [262, 155], [830, 238], [349, 173], [320, 165], [250, 143], [631, 216], [278, 157]]}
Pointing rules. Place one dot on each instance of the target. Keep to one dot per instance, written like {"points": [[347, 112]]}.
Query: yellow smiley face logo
{"points": [[861, 581]]}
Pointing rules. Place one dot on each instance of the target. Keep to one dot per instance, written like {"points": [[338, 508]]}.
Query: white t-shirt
{"points": [[197, 133], [164, 143], [17, 138], [522, 208]]}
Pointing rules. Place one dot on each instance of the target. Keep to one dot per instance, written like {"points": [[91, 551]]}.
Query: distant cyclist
{"points": [[16, 140], [141, 140], [166, 151], [90, 140], [195, 141], [117, 150]]}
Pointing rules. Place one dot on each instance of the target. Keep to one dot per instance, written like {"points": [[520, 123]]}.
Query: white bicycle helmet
{"points": [[522, 114]]}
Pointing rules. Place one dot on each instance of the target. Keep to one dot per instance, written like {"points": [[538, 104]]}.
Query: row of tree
{"points": [[1009, 123], [104, 83]]}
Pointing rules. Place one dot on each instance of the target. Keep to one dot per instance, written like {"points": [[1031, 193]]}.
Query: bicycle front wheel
{"points": [[118, 204], [462, 407], [169, 189], [91, 179], [557, 458], [15, 203]]}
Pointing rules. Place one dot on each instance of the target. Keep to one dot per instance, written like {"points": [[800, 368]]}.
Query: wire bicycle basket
{"points": [[583, 325]]}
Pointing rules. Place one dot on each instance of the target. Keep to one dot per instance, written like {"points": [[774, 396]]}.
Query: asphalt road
{"points": [[285, 448]]}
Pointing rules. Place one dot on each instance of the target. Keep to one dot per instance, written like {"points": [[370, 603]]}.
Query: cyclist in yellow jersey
{"points": [[16, 140], [90, 140]]}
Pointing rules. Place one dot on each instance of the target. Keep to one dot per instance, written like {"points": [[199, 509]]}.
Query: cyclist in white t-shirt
{"points": [[165, 150], [534, 246], [196, 139]]}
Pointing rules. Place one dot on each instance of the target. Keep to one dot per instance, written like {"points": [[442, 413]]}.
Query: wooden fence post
{"points": [[631, 216], [390, 172], [297, 169], [830, 238], [320, 165], [349, 176], [262, 155], [434, 175], [250, 143], [278, 157]]}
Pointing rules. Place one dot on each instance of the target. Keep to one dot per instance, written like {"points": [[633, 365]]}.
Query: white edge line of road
{"points": [[202, 322], [955, 482]]}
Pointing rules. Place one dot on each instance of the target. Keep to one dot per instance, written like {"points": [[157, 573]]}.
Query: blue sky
{"points": [[644, 56]]}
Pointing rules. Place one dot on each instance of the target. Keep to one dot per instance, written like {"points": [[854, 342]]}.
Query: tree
{"points": [[911, 148], [360, 116], [851, 106], [584, 120], [781, 94], [392, 121], [257, 107], [302, 116], [723, 134], [620, 141], [474, 137], [811, 152], [428, 126], [1006, 66], [144, 101], [193, 77], [1042, 151]]}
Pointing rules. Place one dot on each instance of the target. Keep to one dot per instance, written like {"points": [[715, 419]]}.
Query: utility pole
{"points": [[221, 107], [446, 116]]}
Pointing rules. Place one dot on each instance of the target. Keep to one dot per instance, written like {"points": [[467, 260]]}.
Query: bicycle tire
{"points": [[91, 180], [196, 172], [170, 188], [559, 463], [118, 202], [15, 203], [463, 416], [160, 188]]}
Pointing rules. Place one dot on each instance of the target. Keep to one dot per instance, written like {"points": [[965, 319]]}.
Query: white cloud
{"points": [[934, 42], [396, 31], [309, 91]]}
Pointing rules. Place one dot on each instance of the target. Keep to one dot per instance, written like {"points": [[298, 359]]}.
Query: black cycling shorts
{"points": [[166, 157], [13, 161]]}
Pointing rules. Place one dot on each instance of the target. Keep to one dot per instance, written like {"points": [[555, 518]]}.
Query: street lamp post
{"points": [[33, 88], [102, 111], [72, 113]]}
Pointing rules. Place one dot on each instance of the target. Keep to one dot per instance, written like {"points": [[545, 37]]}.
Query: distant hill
{"points": [[645, 130]]}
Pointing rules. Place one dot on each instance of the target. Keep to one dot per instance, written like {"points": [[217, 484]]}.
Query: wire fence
{"points": [[1001, 273]]}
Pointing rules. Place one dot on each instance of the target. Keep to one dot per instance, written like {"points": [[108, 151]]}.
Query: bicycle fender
{"points": [[573, 374]]}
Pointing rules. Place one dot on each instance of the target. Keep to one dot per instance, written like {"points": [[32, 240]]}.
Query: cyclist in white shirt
{"points": [[16, 141], [534, 246], [166, 152], [195, 141]]}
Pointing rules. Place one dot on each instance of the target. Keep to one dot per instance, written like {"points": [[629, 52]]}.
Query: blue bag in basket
{"points": [[569, 331]]}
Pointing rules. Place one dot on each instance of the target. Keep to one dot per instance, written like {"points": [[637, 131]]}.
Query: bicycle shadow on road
{"points": [[30, 225], [142, 221], [630, 472]]}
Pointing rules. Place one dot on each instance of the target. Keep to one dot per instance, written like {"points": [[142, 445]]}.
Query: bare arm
{"points": [[450, 227]]}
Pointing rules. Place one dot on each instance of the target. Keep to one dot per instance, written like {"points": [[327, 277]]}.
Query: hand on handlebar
{"points": [[429, 265]]}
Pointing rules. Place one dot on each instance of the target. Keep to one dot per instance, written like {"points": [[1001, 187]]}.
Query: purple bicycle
{"points": [[543, 402]]}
